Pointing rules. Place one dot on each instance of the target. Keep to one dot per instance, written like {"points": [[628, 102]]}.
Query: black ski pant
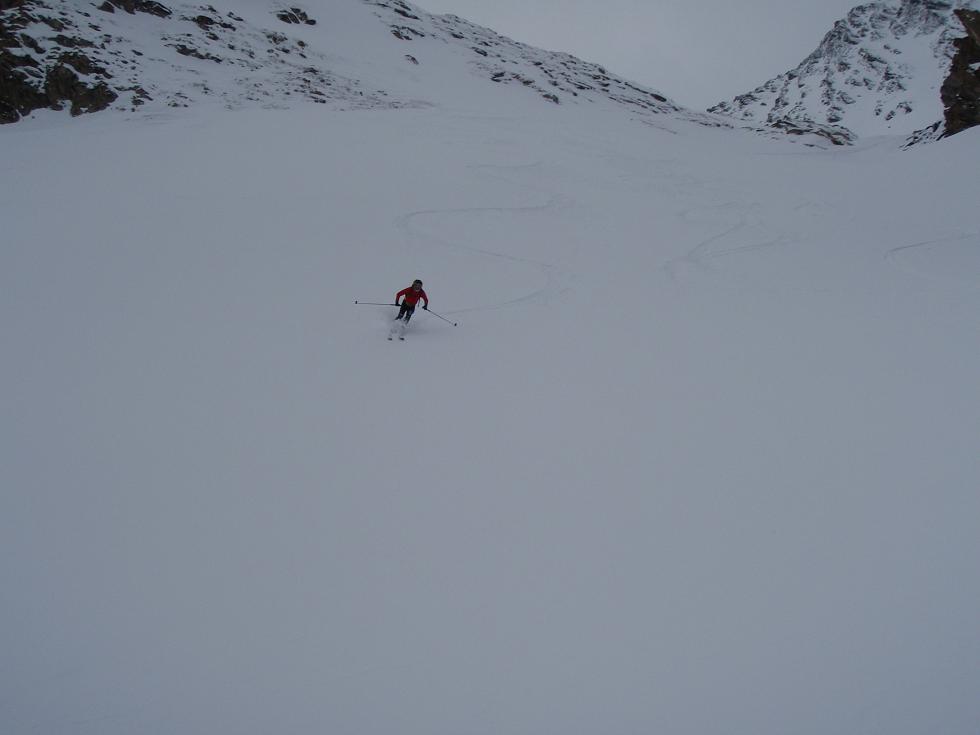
{"points": [[406, 312]]}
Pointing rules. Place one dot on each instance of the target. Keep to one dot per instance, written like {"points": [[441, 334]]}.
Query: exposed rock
{"points": [[207, 24], [139, 6], [31, 43], [20, 76], [18, 95], [961, 90], [63, 85], [834, 134], [26, 85], [67, 42], [83, 64], [140, 96], [406, 33], [926, 135], [295, 15], [53, 23], [406, 14], [188, 51]]}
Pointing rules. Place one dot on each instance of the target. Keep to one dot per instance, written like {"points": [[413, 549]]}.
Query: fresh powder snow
{"points": [[701, 456]]}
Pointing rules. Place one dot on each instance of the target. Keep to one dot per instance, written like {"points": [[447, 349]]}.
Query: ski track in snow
{"points": [[416, 236], [958, 267], [700, 255]]}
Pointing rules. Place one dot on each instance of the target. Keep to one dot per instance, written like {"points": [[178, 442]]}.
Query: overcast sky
{"points": [[697, 52]]}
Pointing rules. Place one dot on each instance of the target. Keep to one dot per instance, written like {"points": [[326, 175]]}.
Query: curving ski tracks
{"points": [[700, 255], [953, 258], [418, 235]]}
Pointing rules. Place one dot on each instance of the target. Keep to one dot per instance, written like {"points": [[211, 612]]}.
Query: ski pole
{"points": [[441, 317], [372, 303]]}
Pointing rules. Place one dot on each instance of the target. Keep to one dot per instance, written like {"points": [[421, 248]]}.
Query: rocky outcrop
{"points": [[22, 93], [19, 93], [27, 84], [295, 15], [834, 135], [137, 6], [62, 85], [961, 90]]}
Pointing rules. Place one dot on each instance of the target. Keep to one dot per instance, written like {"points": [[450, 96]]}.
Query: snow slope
{"points": [[701, 456], [350, 54], [877, 72]]}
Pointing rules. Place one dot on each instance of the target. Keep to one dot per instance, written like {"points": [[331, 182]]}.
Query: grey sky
{"points": [[698, 53]]}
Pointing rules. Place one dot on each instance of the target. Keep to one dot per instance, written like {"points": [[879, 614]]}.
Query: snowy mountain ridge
{"points": [[879, 70], [144, 56]]}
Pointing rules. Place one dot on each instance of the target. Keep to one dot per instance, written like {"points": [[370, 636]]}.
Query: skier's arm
{"points": [[400, 294], [425, 299]]}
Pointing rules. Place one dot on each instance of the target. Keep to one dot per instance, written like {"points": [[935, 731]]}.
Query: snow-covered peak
{"points": [[143, 56], [878, 71]]}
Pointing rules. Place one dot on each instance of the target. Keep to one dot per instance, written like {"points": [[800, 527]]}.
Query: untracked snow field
{"points": [[701, 458]]}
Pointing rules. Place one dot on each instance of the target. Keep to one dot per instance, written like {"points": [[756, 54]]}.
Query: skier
{"points": [[409, 298]]}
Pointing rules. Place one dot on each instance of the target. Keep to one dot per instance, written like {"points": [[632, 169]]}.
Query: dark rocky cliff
{"points": [[961, 90], [27, 85]]}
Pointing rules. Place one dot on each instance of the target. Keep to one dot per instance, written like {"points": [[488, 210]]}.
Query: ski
{"points": [[399, 329]]}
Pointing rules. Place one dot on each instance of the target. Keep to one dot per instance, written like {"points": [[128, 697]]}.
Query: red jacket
{"points": [[412, 296]]}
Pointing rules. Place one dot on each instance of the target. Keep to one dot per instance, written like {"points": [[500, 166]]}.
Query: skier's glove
{"points": [[426, 307]]}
